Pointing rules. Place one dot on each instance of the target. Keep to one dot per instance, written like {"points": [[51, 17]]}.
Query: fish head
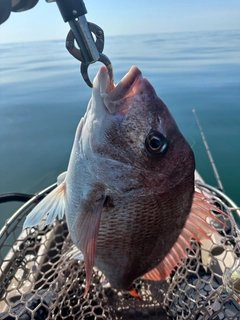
{"points": [[131, 127]]}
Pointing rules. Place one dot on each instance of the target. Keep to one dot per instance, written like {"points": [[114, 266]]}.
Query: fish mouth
{"points": [[128, 86], [117, 98]]}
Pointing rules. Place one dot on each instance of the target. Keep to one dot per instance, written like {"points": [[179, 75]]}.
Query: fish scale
{"points": [[140, 223]]}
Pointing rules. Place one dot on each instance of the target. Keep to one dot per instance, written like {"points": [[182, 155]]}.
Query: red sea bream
{"points": [[128, 193]]}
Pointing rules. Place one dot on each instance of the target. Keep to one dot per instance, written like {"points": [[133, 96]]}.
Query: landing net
{"points": [[38, 280]]}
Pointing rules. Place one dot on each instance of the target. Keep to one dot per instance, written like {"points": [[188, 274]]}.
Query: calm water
{"points": [[42, 98]]}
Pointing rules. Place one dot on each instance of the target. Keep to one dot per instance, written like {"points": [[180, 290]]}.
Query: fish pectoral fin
{"points": [[87, 234], [50, 207], [196, 227]]}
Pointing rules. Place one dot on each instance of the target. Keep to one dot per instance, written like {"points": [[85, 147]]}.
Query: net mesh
{"points": [[39, 280]]}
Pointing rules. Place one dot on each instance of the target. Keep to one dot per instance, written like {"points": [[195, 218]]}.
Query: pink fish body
{"points": [[128, 194]]}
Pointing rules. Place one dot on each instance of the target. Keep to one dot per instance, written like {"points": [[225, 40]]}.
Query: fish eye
{"points": [[156, 143]]}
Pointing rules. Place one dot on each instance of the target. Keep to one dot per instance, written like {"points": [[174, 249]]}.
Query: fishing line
{"points": [[217, 177]]}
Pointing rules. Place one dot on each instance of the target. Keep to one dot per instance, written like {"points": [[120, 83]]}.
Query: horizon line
{"points": [[125, 35]]}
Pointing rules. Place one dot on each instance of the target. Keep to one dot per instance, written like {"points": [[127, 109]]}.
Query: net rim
{"points": [[24, 207]]}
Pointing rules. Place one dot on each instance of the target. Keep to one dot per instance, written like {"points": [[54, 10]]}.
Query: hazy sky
{"points": [[125, 17]]}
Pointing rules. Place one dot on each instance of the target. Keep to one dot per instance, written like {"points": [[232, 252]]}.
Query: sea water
{"points": [[43, 97]]}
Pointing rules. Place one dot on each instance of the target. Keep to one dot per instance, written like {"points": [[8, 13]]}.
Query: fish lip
{"points": [[124, 87], [117, 101]]}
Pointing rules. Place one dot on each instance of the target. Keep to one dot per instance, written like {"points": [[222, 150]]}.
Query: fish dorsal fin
{"points": [[50, 207], [195, 227], [75, 254], [61, 177]]}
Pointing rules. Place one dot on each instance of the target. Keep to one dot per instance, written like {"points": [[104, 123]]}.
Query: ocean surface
{"points": [[43, 97]]}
